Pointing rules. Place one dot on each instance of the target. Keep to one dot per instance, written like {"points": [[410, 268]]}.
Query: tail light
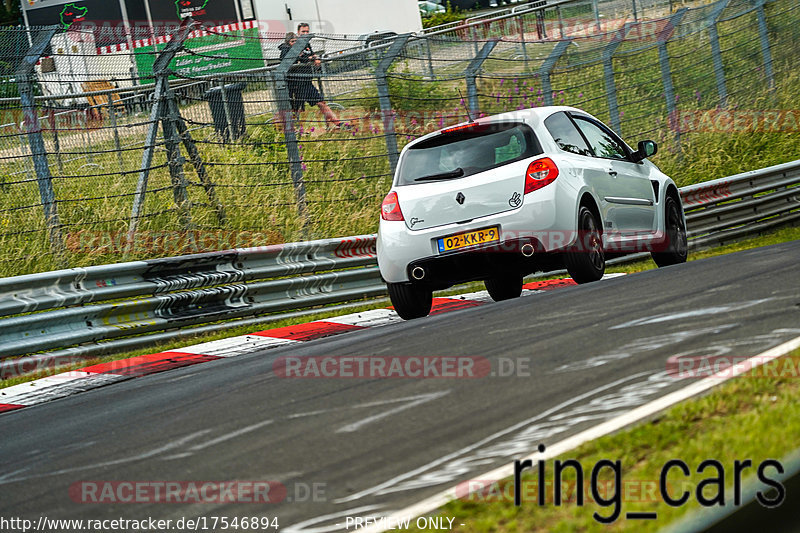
{"points": [[390, 208], [540, 173]]}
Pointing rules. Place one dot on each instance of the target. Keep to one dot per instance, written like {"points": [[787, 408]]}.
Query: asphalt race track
{"points": [[347, 446]]}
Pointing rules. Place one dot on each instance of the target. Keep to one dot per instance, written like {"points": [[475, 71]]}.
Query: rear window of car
{"points": [[473, 149]]}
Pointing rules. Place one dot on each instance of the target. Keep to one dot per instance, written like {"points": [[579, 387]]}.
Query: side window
{"points": [[601, 140], [565, 135]]}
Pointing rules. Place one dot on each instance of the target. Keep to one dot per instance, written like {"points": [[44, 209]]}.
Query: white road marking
{"points": [[146, 455], [231, 435], [10, 475], [177, 456], [304, 525], [313, 413], [641, 345], [413, 401], [357, 406], [667, 317]]}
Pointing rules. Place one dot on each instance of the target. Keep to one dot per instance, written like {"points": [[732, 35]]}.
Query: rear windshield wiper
{"points": [[457, 173]]}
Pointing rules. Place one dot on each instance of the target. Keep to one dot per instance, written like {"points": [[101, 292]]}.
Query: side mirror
{"points": [[646, 149]]}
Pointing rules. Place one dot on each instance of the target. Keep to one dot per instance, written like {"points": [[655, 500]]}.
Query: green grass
{"points": [[755, 416]]}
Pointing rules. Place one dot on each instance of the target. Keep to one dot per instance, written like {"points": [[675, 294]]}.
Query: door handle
{"points": [[612, 173]]}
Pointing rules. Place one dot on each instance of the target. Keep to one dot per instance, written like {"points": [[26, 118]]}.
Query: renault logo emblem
{"points": [[460, 198]]}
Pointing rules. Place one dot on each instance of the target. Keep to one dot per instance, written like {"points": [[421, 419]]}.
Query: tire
{"points": [[587, 262], [504, 288], [410, 301], [676, 248]]}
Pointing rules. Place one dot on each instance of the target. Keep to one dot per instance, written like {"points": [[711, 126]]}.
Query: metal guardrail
{"points": [[56, 310], [742, 205], [493, 16], [87, 305]]}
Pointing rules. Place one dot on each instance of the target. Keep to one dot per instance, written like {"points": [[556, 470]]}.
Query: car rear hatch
{"points": [[465, 172]]}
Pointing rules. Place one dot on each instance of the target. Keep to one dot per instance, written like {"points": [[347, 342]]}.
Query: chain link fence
{"points": [[217, 138]]}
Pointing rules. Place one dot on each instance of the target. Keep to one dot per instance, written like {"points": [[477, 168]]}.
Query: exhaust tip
{"points": [[418, 273], [527, 250]]}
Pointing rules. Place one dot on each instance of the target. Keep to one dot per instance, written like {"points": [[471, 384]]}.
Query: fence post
{"points": [[287, 122], [521, 24], [541, 27], [666, 72], [430, 58], [596, 11], [547, 68], [175, 161], [197, 161], [608, 77], [26, 163], [764, 38], [716, 54], [472, 73], [56, 143], [387, 112], [228, 133], [157, 112], [86, 115], [112, 114], [560, 22], [36, 142], [147, 158]]}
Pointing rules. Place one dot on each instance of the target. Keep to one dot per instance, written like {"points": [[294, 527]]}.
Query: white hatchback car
{"points": [[508, 195]]}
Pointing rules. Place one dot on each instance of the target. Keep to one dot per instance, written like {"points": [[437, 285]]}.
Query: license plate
{"points": [[472, 238]]}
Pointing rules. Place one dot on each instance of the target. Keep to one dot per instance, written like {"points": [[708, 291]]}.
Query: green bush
{"points": [[437, 19]]}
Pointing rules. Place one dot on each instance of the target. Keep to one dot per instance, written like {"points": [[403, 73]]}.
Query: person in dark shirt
{"points": [[292, 81], [301, 89]]}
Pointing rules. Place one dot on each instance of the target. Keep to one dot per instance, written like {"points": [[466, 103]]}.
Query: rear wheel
{"points": [[676, 246], [504, 288], [410, 301], [587, 262]]}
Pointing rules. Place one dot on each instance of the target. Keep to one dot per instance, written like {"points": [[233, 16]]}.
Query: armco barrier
{"points": [[738, 206], [86, 305], [82, 307]]}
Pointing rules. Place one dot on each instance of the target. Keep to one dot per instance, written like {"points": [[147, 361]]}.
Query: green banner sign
{"points": [[240, 50]]}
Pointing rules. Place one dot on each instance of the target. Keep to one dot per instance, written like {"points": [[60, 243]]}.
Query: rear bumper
{"points": [[546, 220], [440, 272]]}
